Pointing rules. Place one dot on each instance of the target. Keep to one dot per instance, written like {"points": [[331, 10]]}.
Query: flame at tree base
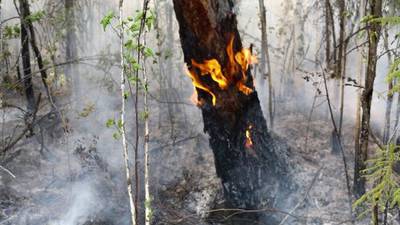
{"points": [[249, 141]]}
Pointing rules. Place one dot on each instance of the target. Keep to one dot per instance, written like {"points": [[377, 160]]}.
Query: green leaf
{"points": [[36, 16], [116, 136], [120, 124], [107, 19], [110, 123], [150, 20], [136, 66], [126, 95], [390, 20], [129, 44], [148, 52]]}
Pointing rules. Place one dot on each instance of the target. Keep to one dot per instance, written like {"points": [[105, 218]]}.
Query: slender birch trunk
{"points": [[146, 151], [122, 118]]}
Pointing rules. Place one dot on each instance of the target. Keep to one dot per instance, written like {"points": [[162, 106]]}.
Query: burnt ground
{"points": [[184, 184], [320, 198]]}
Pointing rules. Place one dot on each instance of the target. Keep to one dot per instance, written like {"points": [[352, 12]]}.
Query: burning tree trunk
{"points": [[247, 159]]}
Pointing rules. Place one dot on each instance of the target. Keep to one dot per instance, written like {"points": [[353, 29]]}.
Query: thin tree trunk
{"points": [[25, 54], [338, 68], [389, 100], [1, 38], [122, 118], [357, 127], [147, 198], [397, 117], [71, 52], [373, 39], [157, 27], [263, 37], [341, 73], [333, 30], [207, 27], [145, 8], [265, 54], [169, 90], [327, 35]]}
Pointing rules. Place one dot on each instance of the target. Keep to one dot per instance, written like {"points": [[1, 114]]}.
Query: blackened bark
{"points": [[327, 35], [249, 175], [38, 55], [25, 55], [373, 39]]}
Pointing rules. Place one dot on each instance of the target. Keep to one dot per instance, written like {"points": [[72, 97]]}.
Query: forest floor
{"points": [[185, 187]]}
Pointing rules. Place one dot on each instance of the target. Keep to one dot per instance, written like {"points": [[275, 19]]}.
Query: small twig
{"points": [[376, 140], [8, 171], [175, 142], [340, 143]]}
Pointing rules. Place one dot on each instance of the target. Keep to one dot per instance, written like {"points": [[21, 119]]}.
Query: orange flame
{"points": [[238, 64], [198, 84], [249, 141]]}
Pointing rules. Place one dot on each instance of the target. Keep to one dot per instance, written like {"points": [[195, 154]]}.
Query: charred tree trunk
{"points": [[249, 173], [373, 39], [26, 56]]}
